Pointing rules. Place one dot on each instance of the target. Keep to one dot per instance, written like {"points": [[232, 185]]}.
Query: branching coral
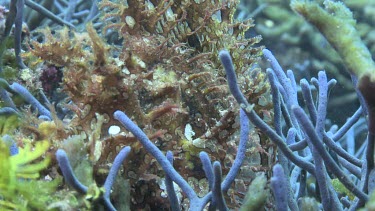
{"points": [[308, 131], [355, 55], [163, 74], [103, 195], [212, 171]]}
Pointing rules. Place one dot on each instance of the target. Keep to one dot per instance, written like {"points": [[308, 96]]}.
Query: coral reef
{"points": [[200, 127], [164, 77], [162, 69], [307, 134]]}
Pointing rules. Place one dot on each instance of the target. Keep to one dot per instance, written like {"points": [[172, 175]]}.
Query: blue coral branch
{"points": [[257, 121], [331, 164], [287, 83], [153, 150], [212, 171], [207, 168], [25, 94], [304, 137], [121, 156], [47, 13], [66, 169], [10, 107], [159, 156], [172, 196], [348, 124], [217, 201], [276, 102], [72, 180], [244, 137], [226, 60], [280, 188], [18, 33], [320, 169], [307, 96]]}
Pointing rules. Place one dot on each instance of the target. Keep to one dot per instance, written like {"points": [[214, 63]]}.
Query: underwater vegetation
{"points": [[166, 105]]}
